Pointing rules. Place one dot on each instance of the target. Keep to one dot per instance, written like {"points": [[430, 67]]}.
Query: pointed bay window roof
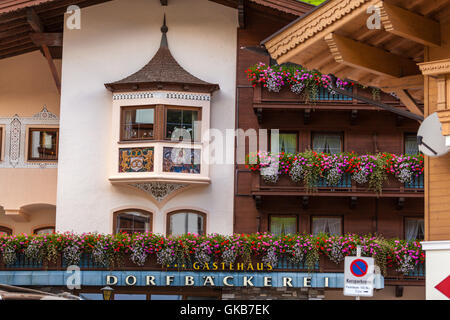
{"points": [[162, 73]]}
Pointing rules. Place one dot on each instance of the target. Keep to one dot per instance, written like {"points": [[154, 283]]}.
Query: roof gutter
{"points": [[403, 113]]}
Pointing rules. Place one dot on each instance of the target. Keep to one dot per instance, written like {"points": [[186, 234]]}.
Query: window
{"points": [[43, 144], [44, 230], [131, 221], [287, 143], [4, 231], [283, 224], [182, 119], [411, 146], [165, 297], [414, 229], [327, 143], [138, 123], [186, 222], [326, 225], [124, 296]]}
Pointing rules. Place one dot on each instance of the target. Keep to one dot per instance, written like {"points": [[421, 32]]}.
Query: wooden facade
{"points": [[364, 129]]}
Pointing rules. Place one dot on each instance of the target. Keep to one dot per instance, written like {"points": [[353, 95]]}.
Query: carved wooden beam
{"points": [[374, 60], [409, 25], [36, 24]]}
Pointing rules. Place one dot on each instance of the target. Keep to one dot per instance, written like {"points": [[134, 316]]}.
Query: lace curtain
{"points": [[283, 225], [326, 225], [414, 229], [411, 146], [287, 142], [328, 143]]}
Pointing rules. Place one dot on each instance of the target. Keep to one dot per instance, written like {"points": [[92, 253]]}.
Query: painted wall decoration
{"points": [[136, 159], [181, 160]]}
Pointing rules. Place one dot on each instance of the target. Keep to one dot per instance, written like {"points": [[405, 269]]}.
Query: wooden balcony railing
{"points": [[285, 186]]}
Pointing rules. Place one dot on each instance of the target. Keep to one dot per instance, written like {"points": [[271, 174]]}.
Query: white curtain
{"points": [[283, 225], [326, 225], [413, 227], [328, 143], [319, 142], [35, 143], [48, 141], [411, 146], [182, 223]]}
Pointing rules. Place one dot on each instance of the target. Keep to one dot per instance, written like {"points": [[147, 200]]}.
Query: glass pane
{"points": [[327, 143], [182, 223], [131, 222], [327, 225], [43, 145], [45, 231], [121, 296], [287, 143], [414, 229], [411, 146], [283, 225], [138, 123], [180, 119], [165, 297], [91, 296]]}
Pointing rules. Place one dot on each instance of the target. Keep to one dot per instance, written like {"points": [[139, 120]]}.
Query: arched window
{"points": [[4, 231], [132, 220], [186, 221], [44, 230]]}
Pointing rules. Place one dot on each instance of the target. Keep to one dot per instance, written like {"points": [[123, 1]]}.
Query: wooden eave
{"points": [[334, 39]]}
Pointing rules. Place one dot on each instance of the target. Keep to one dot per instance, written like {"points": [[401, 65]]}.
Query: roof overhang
{"points": [[335, 38]]}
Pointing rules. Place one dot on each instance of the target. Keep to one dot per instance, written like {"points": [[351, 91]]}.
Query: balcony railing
{"points": [[325, 95], [345, 182], [416, 183]]}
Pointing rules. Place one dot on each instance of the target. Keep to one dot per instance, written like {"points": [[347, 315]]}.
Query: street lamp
{"points": [[107, 292]]}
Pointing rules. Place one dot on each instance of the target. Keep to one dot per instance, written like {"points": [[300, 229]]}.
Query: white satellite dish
{"points": [[430, 139]]}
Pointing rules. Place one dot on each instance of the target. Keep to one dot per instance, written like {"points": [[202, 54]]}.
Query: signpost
{"points": [[359, 276]]}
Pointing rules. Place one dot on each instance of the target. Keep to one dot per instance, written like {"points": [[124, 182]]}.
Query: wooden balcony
{"points": [[346, 187], [287, 100]]}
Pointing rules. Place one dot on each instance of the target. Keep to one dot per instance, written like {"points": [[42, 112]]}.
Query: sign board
{"points": [[359, 276]]}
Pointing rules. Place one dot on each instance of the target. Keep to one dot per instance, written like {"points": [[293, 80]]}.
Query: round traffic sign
{"points": [[359, 268]]}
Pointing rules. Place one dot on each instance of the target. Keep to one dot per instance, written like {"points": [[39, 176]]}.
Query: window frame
{"points": [[405, 134], [117, 213], [173, 107], [35, 230], [297, 133], [30, 144], [297, 221], [340, 133], [123, 109], [412, 218], [1, 143], [170, 214], [327, 216], [6, 229]]}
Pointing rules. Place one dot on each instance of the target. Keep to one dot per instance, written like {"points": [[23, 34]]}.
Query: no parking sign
{"points": [[359, 276]]}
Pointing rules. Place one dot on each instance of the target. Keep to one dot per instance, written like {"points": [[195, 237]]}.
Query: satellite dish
{"points": [[430, 139]]}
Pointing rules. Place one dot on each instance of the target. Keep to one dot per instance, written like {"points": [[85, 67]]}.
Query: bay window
{"points": [[182, 119], [43, 144], [137, 123]]}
